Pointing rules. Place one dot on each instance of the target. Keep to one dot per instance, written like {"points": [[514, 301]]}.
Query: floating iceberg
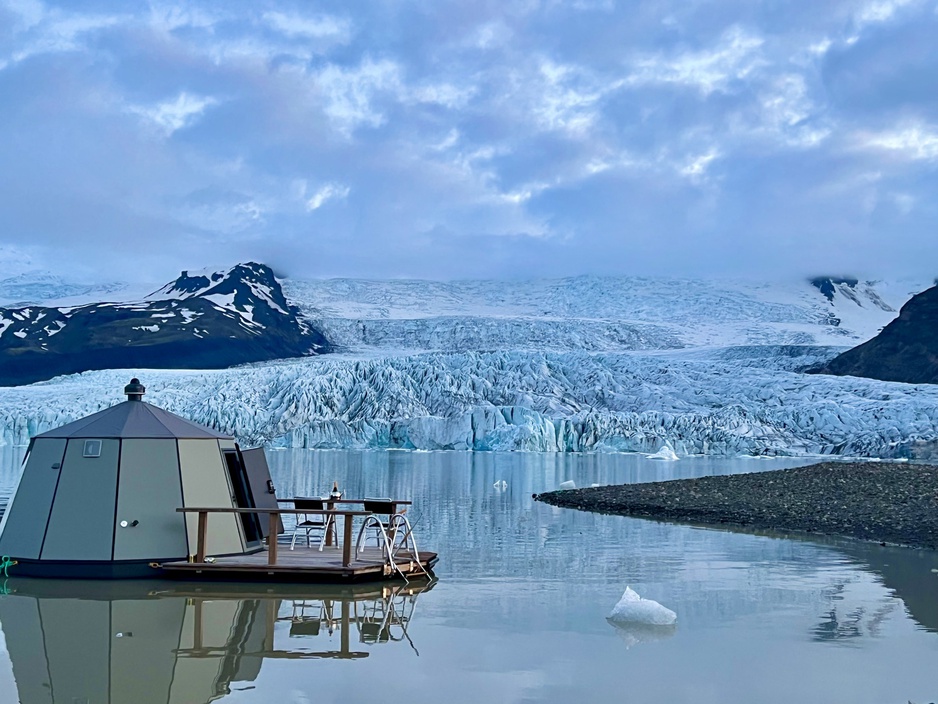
{"points": [[569, 484], [633, 609], [665, 453]]}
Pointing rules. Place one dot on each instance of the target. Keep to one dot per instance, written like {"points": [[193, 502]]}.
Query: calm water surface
{"points": [[518, 614]]}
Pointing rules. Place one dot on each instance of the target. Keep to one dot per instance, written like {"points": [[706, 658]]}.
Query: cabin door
{"points": [[262, 487], [243, 496]]}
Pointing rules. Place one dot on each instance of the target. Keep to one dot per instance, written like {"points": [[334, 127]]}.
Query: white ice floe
{"points": [[569, 484], [633, 609], [665, 453]]}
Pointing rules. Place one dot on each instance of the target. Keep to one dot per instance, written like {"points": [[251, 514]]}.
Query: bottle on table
{"points": [[336, 494]]}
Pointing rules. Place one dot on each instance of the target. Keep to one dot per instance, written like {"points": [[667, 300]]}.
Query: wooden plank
{"points": [[203, 530], [290, 511]]}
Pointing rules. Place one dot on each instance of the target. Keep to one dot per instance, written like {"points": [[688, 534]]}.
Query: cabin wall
{"points": [[27, 515], [205, 484], [25, 643], [144, 658], [81, 526], [77, 635], [149, 492]]}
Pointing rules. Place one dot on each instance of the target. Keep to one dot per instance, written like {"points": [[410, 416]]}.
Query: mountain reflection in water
{"points": [[174, 643]]}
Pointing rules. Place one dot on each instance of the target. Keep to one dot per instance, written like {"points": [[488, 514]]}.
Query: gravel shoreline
{"points": [[875, 501]]}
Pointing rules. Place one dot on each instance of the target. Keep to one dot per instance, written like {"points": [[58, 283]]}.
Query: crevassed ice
{"points": [[532, 401]]}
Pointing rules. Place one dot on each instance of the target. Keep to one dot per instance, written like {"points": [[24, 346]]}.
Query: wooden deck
{"points": [[278, 563], [304, 565]]}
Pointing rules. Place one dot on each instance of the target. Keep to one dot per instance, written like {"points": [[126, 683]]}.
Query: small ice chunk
{"points": [[634, 609], [665, 453], [594, 485], [501, 485], [569, 484]]}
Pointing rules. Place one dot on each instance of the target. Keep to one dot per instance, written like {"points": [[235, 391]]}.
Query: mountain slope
{"points": [[906, 350], [202, 322]]}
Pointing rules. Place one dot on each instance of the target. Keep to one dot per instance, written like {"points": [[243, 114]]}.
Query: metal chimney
{"points": [[135, 390]]}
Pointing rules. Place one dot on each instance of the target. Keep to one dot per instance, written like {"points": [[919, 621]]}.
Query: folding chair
{"points": [[308, 523], [373, 525]]}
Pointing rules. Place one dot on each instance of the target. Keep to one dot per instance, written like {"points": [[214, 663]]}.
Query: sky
{"points": [[473, 139]]}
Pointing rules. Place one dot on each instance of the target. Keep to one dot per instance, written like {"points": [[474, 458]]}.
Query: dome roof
{"points": [[133, 419]]}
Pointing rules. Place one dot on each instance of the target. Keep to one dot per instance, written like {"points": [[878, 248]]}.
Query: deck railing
{"points": [[274, 527]]}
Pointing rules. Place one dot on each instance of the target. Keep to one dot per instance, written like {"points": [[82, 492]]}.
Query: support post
{"points": [[274, 526], [203, 530], [347, 541], [197, 618], [344, 635]]}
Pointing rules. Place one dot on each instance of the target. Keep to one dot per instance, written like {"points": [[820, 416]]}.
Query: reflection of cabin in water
{"points": [[99, 496], [144, 643]]}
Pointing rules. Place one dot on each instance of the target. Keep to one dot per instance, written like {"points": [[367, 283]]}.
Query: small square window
{"points": [[92, 448]]}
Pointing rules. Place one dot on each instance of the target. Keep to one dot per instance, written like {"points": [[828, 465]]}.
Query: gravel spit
{"points": [[875, 501]]}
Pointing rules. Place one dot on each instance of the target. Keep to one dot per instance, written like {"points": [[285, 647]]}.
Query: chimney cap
{"points": [[135, 390]]}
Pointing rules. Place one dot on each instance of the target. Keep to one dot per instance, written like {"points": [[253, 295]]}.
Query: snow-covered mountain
{"points": [[517, 401], [204, 321]]}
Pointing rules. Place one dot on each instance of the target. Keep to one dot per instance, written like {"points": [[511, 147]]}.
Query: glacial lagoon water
{"points": [[519, 611]]}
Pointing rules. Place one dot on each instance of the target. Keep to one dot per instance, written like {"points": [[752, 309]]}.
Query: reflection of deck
{"points": [[305, 564]]}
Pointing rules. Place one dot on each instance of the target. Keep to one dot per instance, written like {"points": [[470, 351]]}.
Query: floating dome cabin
{"points": [[98, 497]]}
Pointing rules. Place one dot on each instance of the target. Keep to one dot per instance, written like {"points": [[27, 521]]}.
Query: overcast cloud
{"points": [[470, 139]]}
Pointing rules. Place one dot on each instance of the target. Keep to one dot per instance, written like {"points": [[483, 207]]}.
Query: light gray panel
{"points": [[205, 485], [27, 516], [19, 618], [81, 526], [77, 634], [149, 493], [144, 656]]}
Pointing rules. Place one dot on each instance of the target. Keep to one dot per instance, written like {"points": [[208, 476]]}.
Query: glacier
{"points": [[694, 401], [603, 364], [590, 312]]}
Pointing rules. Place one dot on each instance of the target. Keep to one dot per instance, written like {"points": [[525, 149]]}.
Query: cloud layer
{"points": [[489, 139]]}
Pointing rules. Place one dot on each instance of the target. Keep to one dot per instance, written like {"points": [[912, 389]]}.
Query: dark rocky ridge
{"points": [[195, 322], [906, 350], [827, 285], [881, 502]]}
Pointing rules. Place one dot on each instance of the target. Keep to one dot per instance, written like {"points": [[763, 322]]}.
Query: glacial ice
{"points": [[595, 312], [635, 609], [665, 453], [530, 401]]}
